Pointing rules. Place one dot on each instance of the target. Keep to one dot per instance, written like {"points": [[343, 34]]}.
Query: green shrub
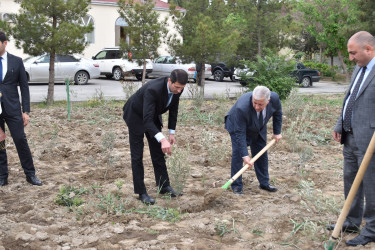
{"points": [[325, 69], [273, 72]]}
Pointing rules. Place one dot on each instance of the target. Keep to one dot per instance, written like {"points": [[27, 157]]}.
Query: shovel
{"points": [[214, 193], [353, 190], [226, 185]]}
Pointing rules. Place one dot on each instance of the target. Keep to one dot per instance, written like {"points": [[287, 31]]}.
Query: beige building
{"points": [[108, 25]]}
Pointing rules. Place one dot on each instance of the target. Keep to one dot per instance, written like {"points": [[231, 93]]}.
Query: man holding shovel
{"points": [[354, 129], [12, 75], [246, 123]]}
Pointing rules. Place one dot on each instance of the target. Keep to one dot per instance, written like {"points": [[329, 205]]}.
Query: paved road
{"points": [[110, 89]]}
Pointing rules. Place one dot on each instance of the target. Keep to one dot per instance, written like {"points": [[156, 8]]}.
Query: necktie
{"points": [[349, 107], [170, 95], [260, 118], [1, 70]]}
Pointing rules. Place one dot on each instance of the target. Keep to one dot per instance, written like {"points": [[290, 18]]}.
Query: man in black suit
{"points": [[142, 114], [12, 74], [246, 123]]}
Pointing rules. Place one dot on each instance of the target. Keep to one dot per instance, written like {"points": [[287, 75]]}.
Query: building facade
{"points": [[108, 25]]}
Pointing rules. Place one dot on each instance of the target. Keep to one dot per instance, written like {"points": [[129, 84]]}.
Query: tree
{"points": [[263, 24], [144, 28], [205, 36], [331, 22], [52, 27]]}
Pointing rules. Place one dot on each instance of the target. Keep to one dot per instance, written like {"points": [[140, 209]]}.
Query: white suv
{"points": [[111, 64]]}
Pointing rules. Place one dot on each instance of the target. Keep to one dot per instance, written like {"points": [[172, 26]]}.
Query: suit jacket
{"points": [[363, 120], [15, 76], [242, 120], [143, 110]]}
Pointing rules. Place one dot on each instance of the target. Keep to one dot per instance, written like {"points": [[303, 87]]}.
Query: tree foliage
{"points": [[144, 28], [206, 37], [331, 22], [52, 27], [273, 72]]}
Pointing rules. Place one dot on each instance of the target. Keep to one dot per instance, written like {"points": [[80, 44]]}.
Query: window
{"points": [[86, 21], [121, 31], [66, 58], [111, 54]]}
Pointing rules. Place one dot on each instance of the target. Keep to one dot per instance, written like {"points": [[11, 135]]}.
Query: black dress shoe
{"points": [[169, 190], [4, 182], [237, 190], [268, 188], [32, 179], [346, 227], [359, 240], [145, 198]]}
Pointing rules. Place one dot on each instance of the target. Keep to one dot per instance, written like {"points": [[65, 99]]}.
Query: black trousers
{"points": [[157, 157], [16, 129]]}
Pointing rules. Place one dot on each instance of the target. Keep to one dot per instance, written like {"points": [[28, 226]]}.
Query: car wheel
{"points": [[232, 78], [218, 75], [243, 83], [117, 72], [306, 82], [139, 77], [81, 78]]}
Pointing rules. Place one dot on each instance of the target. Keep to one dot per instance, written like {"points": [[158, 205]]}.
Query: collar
{"points": [[169, 92], [371, 64], [5, 56]]}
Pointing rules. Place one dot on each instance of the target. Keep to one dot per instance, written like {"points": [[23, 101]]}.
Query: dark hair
{"points": [[179, 75], [3, 37]]}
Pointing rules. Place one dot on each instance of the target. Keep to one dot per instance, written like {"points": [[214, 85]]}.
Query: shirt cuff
{"points": [[245, 156], [159, 136], [172, 131]]}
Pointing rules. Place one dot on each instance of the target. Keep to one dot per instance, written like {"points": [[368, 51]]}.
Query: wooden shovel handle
{"points": [[252, 160], [353, 190]]}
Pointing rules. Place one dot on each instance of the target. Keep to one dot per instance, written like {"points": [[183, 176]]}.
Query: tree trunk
{"points": [[202, 80], [144, 72], [343, 65], [51, 81], [331, 61], [321, 54]]}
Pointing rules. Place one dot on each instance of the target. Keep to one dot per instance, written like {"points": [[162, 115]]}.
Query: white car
{"points": [[72, 67], [112, 64], [164, 65]]}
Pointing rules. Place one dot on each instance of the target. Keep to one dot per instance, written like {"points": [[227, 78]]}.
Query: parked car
{"points": [[73, 67], [113, 64], [305, 76], [164, 65], [221, 70]]}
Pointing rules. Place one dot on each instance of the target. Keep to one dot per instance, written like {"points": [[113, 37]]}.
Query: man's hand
{"points": [[336, 136], [172, 139], [166, 146], [277, 137], [26, 119], [246, 160]]}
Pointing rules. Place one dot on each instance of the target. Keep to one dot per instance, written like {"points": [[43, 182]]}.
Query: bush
{"points": [[325, 69], [274, 73]]}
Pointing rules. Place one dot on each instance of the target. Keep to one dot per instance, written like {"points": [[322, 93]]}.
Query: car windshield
{"points": [[28, 59]]}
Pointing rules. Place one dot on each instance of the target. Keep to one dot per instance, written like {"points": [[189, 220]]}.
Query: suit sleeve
{"points": [[24, 87], [239, 123], [149, 109], [277, 117]]}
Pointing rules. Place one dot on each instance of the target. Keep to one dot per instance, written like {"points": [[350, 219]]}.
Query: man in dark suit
{"points": [[246, 123], [354, 129], [12, 74], [142, 114]]}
